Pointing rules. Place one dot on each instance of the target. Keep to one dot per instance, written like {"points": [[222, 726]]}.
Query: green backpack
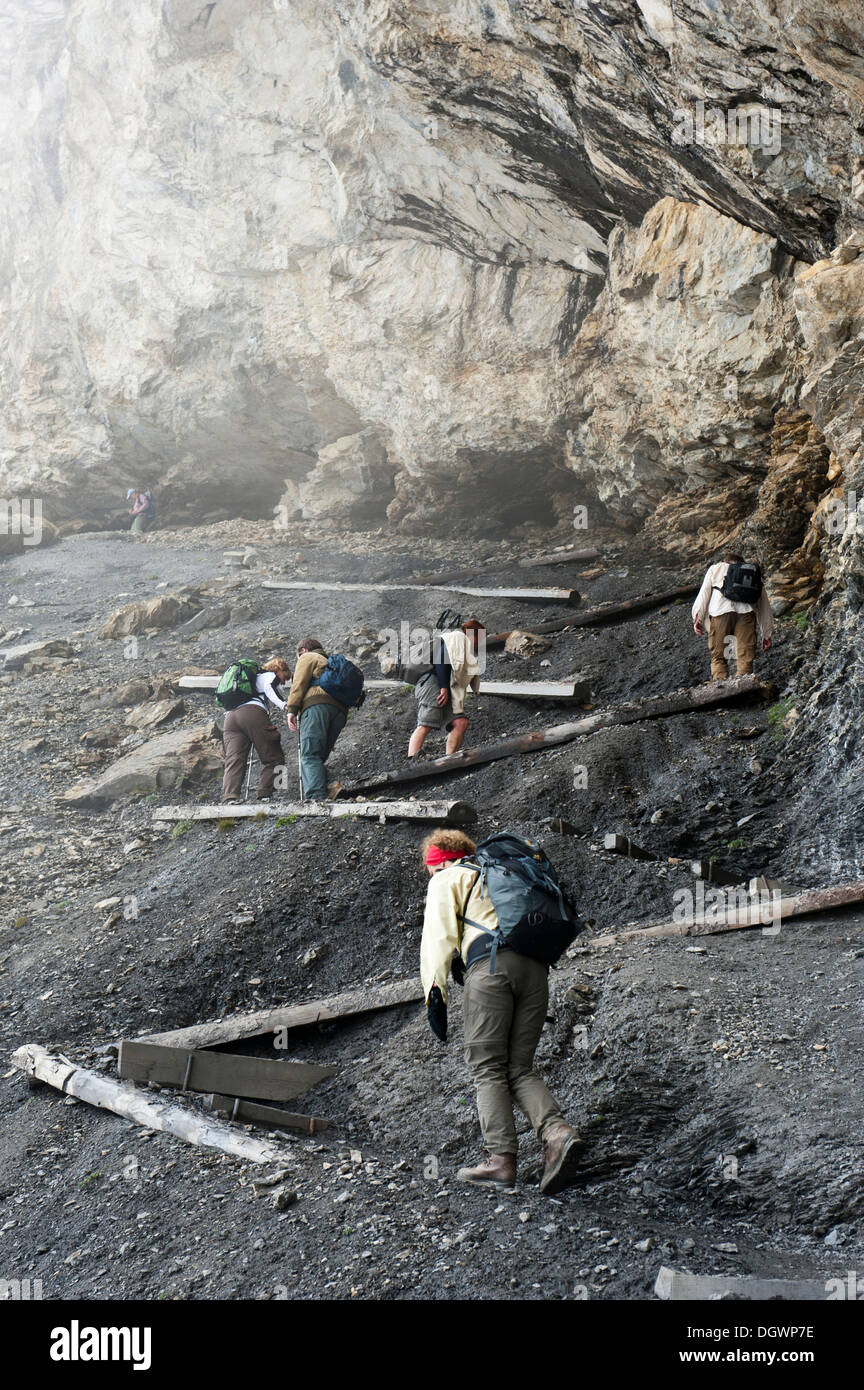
{"points": [[237, 684]]}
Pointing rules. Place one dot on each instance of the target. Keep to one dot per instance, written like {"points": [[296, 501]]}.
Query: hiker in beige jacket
{"points": [[441, 692], [319, 718], [503, 1013], [731, 625]]}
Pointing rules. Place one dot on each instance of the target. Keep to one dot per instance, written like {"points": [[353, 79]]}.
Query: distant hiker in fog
{"points": [[440, 692], [142, 509], [323, 691], [249, 693], [505, 997], [734, 600]]}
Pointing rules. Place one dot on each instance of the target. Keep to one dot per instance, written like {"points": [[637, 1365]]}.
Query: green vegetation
{"points": [[776, 715], [800, 620], [285, 820], [225, 824], [737, 843], [180, 829]]}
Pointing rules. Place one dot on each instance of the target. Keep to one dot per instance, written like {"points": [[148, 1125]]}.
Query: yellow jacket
{"points": [[303, 693], [453, 891]]}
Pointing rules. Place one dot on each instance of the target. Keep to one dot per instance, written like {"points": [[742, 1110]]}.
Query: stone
{"points": [[169, 760], [526, 644], [215, 616], [14, 658], [283, 1198], [152, 715], [167, 610]]}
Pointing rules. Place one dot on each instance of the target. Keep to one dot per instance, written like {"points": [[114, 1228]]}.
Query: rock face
{"points": [[168, 760], [236, 236]]}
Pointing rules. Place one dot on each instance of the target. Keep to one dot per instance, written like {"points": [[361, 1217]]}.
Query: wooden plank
{"points": [[712, 873], [560, 557], [620, 844], [678, 1287], [520, 690], [815, 900], [123, 1099], [608, 613], [249, 1113], [568, 596], [365, 999], [700, 697], [438, 812], [220, 1072]]}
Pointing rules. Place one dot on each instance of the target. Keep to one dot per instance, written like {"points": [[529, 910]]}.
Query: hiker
{"points": [[142, 510], [323, 690], [252, 693], [440, 692], [734, 599], [504, 1006]]}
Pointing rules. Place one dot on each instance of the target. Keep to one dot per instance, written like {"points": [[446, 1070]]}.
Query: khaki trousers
{"points": [[728, 634], [249, 725], [503, 1016]]}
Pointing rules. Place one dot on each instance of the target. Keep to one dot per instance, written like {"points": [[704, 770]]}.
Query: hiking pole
{"points": [[249, 762], [300, 766]]}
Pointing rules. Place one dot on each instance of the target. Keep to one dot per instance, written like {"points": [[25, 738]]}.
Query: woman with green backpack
{"points": [[249, 692]]}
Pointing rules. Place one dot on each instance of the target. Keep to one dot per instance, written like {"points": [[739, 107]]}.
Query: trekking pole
{"points": [[249, 762], [300, 767]]}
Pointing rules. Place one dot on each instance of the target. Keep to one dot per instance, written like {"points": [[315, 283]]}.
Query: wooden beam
{"points": [[560, 557], [620, 844], [126, 1100], [247, 1112], [540, 740], [815, 900], [568, 596], [608, 613], [439, 812], [712, 873], [677, 1287], [364, 1000], [519, 690], [220, 1072]]}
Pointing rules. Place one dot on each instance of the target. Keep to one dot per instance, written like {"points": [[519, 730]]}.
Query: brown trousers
{"points": [[502, 1018], [250, 726], [732, 634]]}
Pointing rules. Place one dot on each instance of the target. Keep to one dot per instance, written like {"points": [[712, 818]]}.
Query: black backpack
{"points": [[743, 582], [535, 916]]}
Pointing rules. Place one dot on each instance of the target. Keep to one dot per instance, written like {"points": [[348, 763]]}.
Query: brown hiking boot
{"points": [[498, 1170], [562, 1150]]}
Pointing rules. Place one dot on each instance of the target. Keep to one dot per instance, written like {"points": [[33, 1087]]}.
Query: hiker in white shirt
{"points": [[249, 725], [731, 623]]}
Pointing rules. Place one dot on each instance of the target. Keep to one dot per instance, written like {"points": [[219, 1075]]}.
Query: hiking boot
{"points": [[334, 791], [498, 1170], [562, 1151]]}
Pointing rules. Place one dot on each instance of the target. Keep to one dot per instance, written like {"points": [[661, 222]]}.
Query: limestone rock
{"points": [[169, 760], [16, 657], [526, 644], [151, 715], [165, 611]]}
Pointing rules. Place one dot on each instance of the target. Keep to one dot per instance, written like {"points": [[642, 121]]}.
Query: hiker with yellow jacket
{"points": [[505, 1000]]}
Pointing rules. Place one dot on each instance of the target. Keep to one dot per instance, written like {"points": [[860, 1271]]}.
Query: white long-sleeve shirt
{"points": [[265, 685], [710, 602]]}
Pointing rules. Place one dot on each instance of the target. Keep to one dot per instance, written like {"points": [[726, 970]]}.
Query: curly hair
{"points": [[453, 840]]}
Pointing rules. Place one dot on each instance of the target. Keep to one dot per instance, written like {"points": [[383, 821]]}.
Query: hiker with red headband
{"points": [[503, 1012]]}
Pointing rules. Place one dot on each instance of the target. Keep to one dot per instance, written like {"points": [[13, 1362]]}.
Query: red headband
{"points": [[434, 855]]}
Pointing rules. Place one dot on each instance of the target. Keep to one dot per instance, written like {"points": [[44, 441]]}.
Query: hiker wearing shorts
{"points": [[440, 692], [319, 718], [503, 1013], [250, 726], [731, 623]]}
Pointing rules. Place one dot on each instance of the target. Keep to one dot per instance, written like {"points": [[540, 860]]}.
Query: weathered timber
{"points": [[608, 613], [364, 1000], [121, 1098], [713, 873], [247, 1112], [568, 596], [620, 844], [700, 697], [521, 690], [815, 900], [678, 1287], [559, 557], [220, 1072], [439, 812]]}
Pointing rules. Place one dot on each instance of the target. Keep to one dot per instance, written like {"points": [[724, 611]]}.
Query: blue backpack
{"points": [[535, 917], [342, 681]]}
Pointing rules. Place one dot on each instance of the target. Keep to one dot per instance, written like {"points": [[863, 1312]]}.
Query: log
{"points": [[248, 1113], [568, 596], [619, 844], [608, 613], [364, 1000], [121, 1098], [521, 690], [439, 812], [676, 1286], [221, 1072], [560, 557], [815, 900], [700, 697]]}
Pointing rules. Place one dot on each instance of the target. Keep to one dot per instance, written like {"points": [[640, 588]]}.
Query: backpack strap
{"points": [[494, 932]]}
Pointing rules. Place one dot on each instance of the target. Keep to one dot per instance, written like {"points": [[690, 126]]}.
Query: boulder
{"points": [[16, 657], [215, 616], [526, 644], [165, 611], [169, 760], [151, 715]]}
